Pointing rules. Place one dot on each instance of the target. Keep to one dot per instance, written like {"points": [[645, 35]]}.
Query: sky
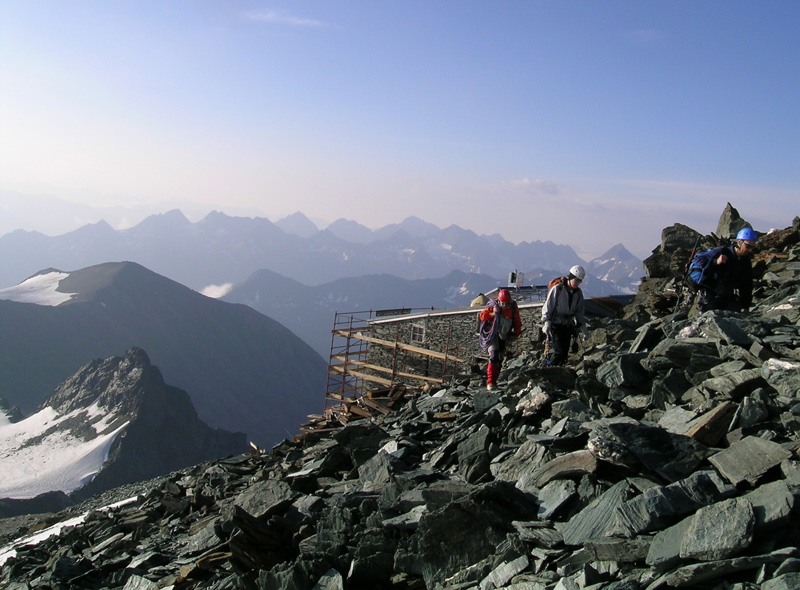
{"points": [[580, 122]]}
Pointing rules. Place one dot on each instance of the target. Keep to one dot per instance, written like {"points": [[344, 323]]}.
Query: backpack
{"points": [[700, 263], [488, 329], [555, 283]]}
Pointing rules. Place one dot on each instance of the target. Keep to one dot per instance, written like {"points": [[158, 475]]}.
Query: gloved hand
{"points": [[585, 332], [546, 329]]}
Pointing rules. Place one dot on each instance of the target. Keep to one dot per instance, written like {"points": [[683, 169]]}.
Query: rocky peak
{"points": [[116, 383], [730, 222]]}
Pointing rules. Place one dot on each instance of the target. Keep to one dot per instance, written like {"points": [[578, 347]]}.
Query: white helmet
{"points": [[577, 272]]}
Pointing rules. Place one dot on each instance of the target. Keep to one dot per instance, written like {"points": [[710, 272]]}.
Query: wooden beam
{"points": [[363, 376], [400, 345], [373, 405], [387, 382], [380, 369], [359, 411]]}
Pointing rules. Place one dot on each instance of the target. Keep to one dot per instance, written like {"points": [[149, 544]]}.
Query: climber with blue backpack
{"points": [[500, 323], [723, 276]]}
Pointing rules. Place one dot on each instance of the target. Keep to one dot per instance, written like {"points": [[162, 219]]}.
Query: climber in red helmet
{"points": [[500, 323]]}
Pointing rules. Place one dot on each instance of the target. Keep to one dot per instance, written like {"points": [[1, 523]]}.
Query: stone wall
{"points": [[453, 332]]}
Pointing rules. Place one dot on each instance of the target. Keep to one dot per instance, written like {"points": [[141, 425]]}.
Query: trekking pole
{"points": [[679, 291], [691, 256]]}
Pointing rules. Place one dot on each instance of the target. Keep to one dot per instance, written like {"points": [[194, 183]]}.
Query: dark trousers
{"points": [[718, 297], [560, 342], [708, 300]]}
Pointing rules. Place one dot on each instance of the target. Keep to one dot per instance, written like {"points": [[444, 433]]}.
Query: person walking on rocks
{"points": [[500, 323], [564, 314], [723, 276]]}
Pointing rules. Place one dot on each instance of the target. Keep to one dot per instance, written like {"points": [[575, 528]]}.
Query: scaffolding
{"points": [[344, 383], [349, 369]]}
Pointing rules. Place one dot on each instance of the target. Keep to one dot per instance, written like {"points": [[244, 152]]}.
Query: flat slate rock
{"points": [[567, 465], [597, 519], [719, 531], [672, 456], [772, 504], [748, 459], [659, 506]]}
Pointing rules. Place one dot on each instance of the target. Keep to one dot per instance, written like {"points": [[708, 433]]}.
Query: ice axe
{"points": [[547, 349]]}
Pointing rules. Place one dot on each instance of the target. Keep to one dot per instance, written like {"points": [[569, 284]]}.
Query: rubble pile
{"points": [[666, 456]]}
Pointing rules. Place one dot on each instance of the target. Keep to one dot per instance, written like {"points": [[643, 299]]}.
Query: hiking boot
{"points": [[491, 386]]}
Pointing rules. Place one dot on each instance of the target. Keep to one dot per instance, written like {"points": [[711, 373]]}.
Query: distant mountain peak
{"points": [[98, 382], [418, 228], [617, 251], [298, 224], [351, 231], [619, 266], [169, 219]]}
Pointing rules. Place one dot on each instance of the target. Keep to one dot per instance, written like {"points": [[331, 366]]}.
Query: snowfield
{"points": [[36, 456], [40, 290]]}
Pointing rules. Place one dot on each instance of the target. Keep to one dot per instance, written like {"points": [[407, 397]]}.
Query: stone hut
{"points": [[438, 344]]}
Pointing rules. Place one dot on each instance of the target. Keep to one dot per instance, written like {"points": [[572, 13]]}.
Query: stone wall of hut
{"points": [[454, 333]]}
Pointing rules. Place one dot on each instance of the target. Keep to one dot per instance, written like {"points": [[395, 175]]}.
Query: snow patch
{"points": [[217, 291], [39, 290], [11, 550], [32, 463]]}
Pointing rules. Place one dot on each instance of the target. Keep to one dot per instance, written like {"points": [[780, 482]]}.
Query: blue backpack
{"points": [[700, 264]]}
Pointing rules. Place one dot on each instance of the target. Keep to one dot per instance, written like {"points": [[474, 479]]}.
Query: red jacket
{"points": [[511, 320]]}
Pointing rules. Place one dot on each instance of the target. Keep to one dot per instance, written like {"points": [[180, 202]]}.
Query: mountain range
{"points": [[243, 371], [301, 276], [222, 250]]}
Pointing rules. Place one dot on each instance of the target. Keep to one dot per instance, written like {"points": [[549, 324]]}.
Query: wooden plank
{"points": [[360, 412], [347, 359], [373, 405], [315, 430], [345, 400], [423, 351], [372, 378], [398, 373], [380, 380]]}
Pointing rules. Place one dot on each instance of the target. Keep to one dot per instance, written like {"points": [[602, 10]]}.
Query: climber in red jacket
{"points": [[500, 323]]}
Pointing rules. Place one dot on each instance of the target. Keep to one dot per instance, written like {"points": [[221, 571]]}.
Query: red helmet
{"points": [[504, 296]]}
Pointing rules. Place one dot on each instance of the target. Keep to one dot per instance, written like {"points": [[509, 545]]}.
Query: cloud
{"points": [[282, 18], [535, 186], [217, 291]]}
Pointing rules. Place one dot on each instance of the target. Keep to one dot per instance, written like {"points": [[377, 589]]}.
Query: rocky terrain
{"points": [[665, 456]]}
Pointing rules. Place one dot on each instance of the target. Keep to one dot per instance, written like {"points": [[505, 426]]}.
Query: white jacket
{"points": [[558, 310]]}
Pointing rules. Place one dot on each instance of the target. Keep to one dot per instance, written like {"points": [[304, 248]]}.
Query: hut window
{"points": [[417, 333]]}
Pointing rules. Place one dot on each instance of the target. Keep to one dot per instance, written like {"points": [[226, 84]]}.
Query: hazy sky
{"points": [[582, 122]]}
